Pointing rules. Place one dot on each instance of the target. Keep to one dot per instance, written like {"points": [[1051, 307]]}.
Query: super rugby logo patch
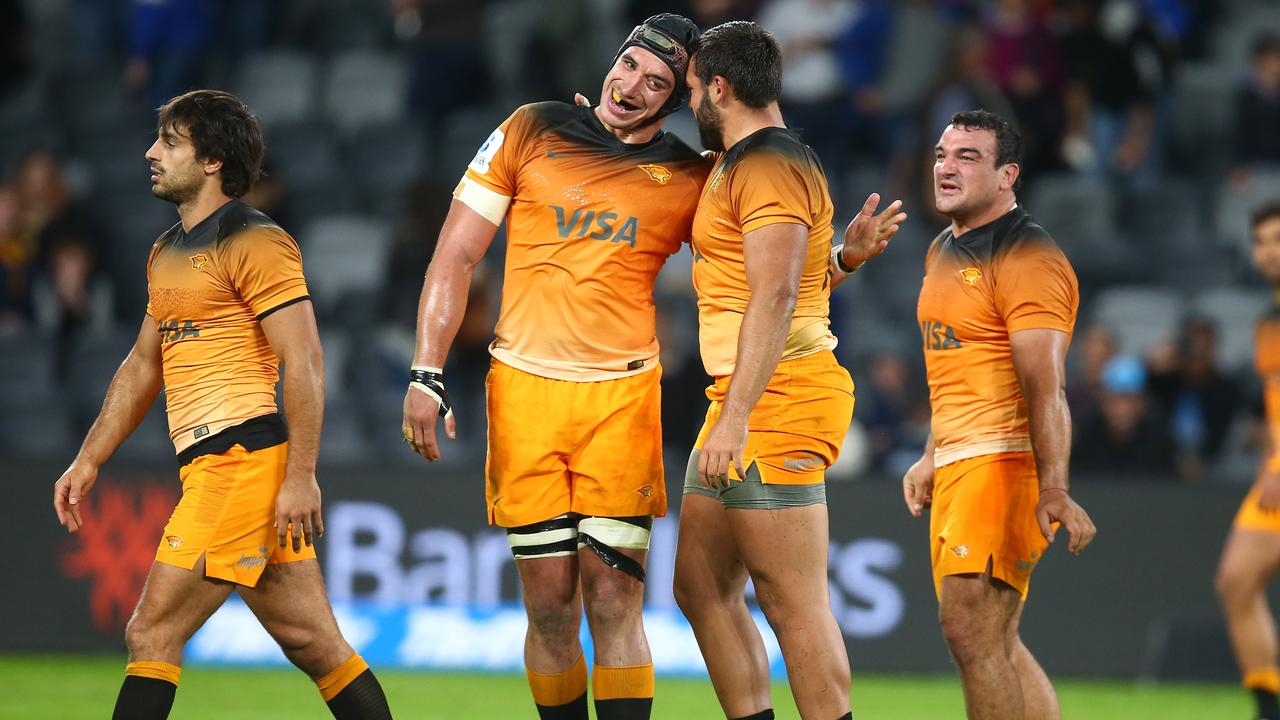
{"points": [[487, 151]]}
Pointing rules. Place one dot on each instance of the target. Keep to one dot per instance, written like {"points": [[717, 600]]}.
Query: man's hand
{"points": [[1057, 506], [725, 445], [1268, 484], [420, 414], [917, 486], [869, 234], [298, 512], [70, 491]]}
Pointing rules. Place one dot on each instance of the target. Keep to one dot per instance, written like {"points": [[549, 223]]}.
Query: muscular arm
{"points": [[1038, 360], [1039, 357], [464, 239], [774, 256], [292, 334], [132, 391]]}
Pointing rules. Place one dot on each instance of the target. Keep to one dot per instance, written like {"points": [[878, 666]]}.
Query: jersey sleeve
{"points": [[496, 166], [767, 188], [151, 261], [1037, 289], [265, 266]]}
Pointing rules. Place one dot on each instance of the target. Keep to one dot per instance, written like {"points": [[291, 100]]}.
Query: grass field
{"points": [[69, 688]]}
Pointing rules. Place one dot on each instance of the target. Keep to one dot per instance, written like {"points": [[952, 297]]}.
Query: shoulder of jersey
{"points": [[241, 219], [169, 235], [1022, 232], [775, 141]]}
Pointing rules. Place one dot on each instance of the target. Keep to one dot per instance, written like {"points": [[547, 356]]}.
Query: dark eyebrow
{"points": [[975, 151]]}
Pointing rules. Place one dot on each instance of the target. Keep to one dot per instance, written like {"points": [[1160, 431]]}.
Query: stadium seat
{"points": [[364, 87], [1139, 317], [464, 133], [1202, 115], [343, 254], [1080, 213], [1232, 41], [1236, 205], [385, 158], [916, 53], [303, 153], [1235, 312], [280, 86]]}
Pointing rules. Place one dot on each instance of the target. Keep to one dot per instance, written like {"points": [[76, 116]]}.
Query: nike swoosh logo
{"points": [[553, 153]]}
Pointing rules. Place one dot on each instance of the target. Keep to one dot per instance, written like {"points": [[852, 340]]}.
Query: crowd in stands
{"points": [[1152, 128]]}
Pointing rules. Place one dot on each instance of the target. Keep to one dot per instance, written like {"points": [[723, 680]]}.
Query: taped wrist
{"points": [[837, 259], [430, 381]]}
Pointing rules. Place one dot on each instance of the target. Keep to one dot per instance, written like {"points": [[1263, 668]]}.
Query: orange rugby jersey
{"points": [[590, 222], [767, 177], [1006, 276], [1267, 361], [207, 291]]}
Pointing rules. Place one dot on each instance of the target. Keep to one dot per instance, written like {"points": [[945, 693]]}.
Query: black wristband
{"points": [[434, 383]]}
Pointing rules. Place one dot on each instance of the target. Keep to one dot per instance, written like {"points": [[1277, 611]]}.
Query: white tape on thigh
{"points": [[615, 533]]}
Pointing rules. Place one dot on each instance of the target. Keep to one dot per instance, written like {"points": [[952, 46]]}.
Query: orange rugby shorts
{"points": [[1251, 516], [795, 431], [556, 446], [226, 513], [984, 509]]}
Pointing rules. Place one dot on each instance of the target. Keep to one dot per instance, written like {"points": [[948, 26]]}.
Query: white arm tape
{"points": [[615, 533], [491, 206]]}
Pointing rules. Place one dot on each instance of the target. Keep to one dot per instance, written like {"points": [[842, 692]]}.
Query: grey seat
{"points": [[384, 159], [1138, 317], [343, 254], [280, 86], [363, 87], [464, 133]]}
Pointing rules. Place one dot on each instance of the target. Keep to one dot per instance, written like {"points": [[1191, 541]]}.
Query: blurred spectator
{"points": [[17, 253], [1257, 132], [813, 93], [1196, 395], [863, 52], [1094, 348], [1027, 65], [15, 53], [168, 48], [449, 66], [1123, 440], [890, 410], [1116, 73], [705, 13]]}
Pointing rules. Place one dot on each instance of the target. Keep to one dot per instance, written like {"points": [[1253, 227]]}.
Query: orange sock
{"points": [[1266, 679], [155, 670], [615, 683], [340, 677], [559, 688]]}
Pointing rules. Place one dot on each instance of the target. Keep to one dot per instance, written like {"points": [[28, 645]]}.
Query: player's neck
{"points": [[742, 121], [631, 136], [198, 210], [993, 212]]}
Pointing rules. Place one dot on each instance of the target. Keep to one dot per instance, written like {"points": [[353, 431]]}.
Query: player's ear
{"points": [[211, 166], [720, 89], [1009, 175]]}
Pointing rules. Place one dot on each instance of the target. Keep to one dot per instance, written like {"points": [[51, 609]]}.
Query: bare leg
{"points": [[709, 582], [290, 602], [174, 604], [785, 551], [614, 602], [977, 612], [552, 600], [1249, 560], [1039, 700]]}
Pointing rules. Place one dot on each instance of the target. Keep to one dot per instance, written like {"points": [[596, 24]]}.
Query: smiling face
{"points": [[635, 89], [966, 179], [176, 174]]}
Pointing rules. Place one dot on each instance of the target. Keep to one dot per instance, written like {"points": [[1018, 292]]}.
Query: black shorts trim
{"points": [[254, 434], [282, 306]]}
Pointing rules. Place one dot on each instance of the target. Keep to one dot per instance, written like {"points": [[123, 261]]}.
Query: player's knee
{"points": [[553, 616], [968, 636], [1233, 587], [613, 601], [147, 639], [309, 649]]}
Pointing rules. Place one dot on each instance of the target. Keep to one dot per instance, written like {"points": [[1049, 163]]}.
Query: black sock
{"points": [[575, 709], [624, 709], [765, 714], [361, 699], [144, 698], [1268, 707], [846, 716]]}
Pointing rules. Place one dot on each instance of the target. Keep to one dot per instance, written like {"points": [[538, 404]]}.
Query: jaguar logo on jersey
{"points": [[198, 260], [596, 225], [175, 330], [656, 173], [961, 551], [971, 276], [938, 336]]}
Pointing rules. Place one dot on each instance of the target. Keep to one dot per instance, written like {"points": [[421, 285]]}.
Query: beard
{"points": [[178, 191], [710, 125]]}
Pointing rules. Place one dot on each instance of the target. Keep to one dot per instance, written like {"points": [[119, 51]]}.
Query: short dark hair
{"points": [[221, 128], [1008, 139], [747, 56], [1267, 211]]}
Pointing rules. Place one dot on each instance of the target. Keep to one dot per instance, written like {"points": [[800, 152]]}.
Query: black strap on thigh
{"points": [[611, 556]]}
